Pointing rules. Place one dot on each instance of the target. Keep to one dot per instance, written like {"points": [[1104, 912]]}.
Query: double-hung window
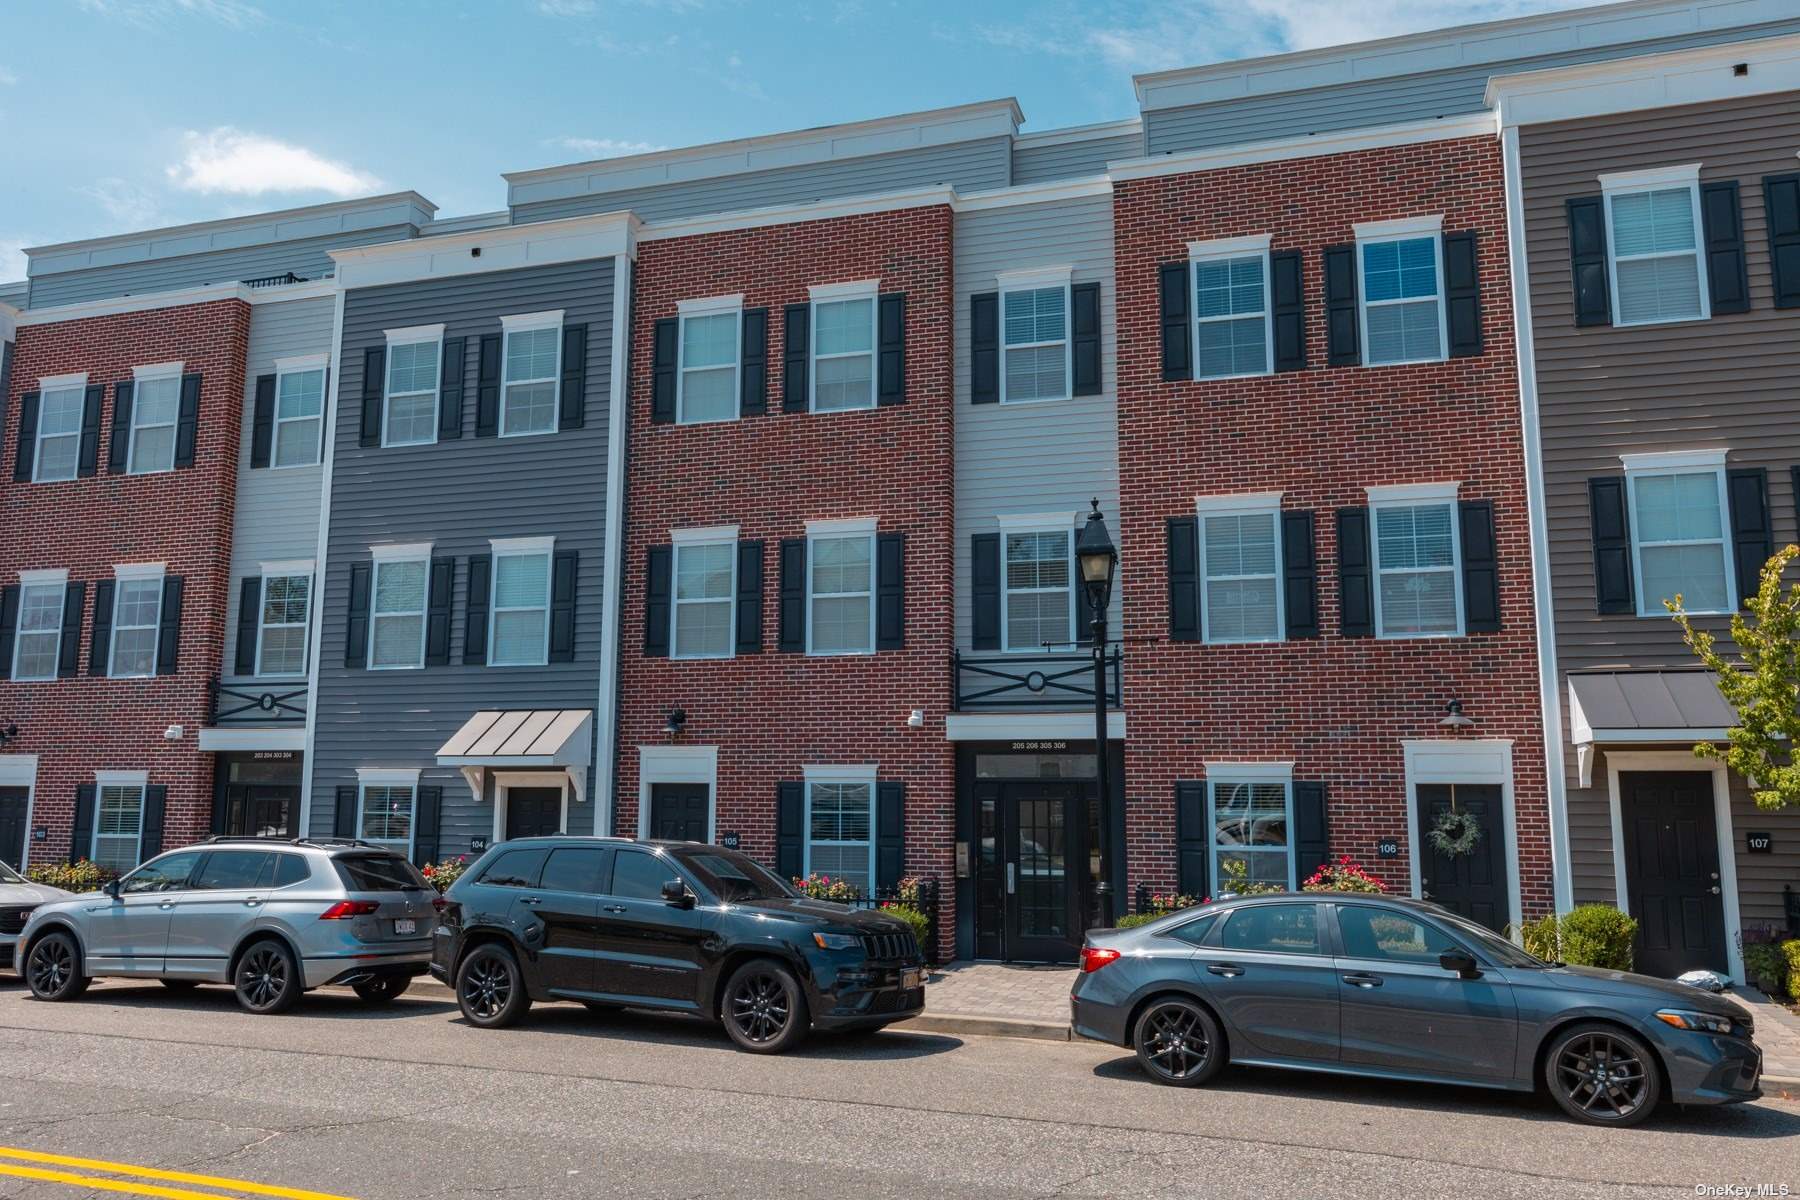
{"points": [[1653, 246], [281, 626], [843, 333], [299, 410], [840, 586], [1678, 520], [705, 584], [840, 824], [1037, 567], [1240, 560], [386, 802], [1402, 276], [1418, 576], [413, 355], [137, 612], [1034, 324], [521, 602], [118, 820], [397, 610], [1250, 810], [706, 387], [38, 643], [533, 356], [58, 450], [1231, 307], [155, 405]]}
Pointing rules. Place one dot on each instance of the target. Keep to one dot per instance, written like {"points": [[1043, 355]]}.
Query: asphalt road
{"points": [[407, 1101]]}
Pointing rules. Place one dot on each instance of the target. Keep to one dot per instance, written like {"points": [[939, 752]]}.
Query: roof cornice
{"points": [[479, 251], [151, 301], [1480, 124], [309, 212]]}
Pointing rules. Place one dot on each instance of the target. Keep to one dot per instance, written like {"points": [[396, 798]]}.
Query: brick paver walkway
{"points": [[1007, 991], [1777, 1032]]}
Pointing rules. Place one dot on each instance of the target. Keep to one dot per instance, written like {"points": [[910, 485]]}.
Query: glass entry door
{"points": [[1031, 870]]}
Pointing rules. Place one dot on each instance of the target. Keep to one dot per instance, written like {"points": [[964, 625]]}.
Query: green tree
{"points": [[1764, 687]]}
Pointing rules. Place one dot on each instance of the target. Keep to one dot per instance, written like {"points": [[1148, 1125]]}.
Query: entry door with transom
{"points": [[533, 811], [1030, 904], [1472, 883], [261, 809], [678, 812], [12, 826], [1672, 871]]}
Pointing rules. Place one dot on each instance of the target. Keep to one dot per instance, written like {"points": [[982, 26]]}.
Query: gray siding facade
{"points": [[457, 495], [1042, 163]]}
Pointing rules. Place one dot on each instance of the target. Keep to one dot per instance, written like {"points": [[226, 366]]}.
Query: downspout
{"points": [[316, 618], [612, 591]]}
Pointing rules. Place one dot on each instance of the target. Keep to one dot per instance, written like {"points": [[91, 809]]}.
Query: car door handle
{"points": [[531, 899], [1228, 970], [253, 902], [613, 908], [1010, 868], [166, 905], [1362, 980]]}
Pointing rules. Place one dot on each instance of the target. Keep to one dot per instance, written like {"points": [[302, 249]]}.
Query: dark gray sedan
{"points": [[1400, 989]]}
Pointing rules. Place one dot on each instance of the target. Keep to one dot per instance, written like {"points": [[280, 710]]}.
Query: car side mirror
{"points": [[1460, 961], [675, 892], [111, 887]]}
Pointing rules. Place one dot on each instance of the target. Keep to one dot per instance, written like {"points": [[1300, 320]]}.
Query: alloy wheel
{"points": [[486, 987], [263, 976], [759, 1007], [1603, 1076], [1175, 1041], [52, 965]]}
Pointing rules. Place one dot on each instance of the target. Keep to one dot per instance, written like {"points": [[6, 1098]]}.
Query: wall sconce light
{"points": [[676, 721], [917, 719], [1454, 717], [173, 733], [9, 733]]}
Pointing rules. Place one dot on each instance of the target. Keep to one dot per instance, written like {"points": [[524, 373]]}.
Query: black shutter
{"points": [[426, 815], [1480, 567], [563, 575], [1287, 300], [658, 599], [1191, 857], [1748, 489], [100, 648], [475, 610], [356, 617], [1299, 574], [9, 627], [984, 591], [248, 624], [440, 587], [791, 635], [1727, 273], [749, 608], [1343, 344], [984, 348], [796, 320], [343, 819], [187, 421], [168, 632], [1356, 576], [262, 424], [572, 412], [451, 388], [1462, 294], [374, 376], [156, 806], [1611, 523], [1084, 338], [81, 833], [890, 834], [1177, 338], [118, 451], [1184, 579], [1781, 209], [663, 345], [790, 832], [1312, 838], [487, 387], [1587, 260], [890, 591], [753, 377], [28, 423], [68, 649], [88, 464], [890, 342]]}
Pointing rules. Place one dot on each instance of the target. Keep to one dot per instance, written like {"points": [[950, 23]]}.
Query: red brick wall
{"points": [[772, 713], [1337, 707], [181, 518]]}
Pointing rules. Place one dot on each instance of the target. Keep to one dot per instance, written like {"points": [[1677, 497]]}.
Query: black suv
{"points": [[678, 926]]}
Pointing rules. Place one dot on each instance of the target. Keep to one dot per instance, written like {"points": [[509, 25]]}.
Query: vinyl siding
{"points": [[1072, 160], [1051, 456], [457, 495], [970, 166]]}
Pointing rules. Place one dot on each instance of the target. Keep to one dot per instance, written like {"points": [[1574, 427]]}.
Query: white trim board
{"points": [[611, 603], [1309, 146], [180, 298], [679, 764], [1034, 726], [218, 738], [505, 781], [1459, 760], [20, 770]]}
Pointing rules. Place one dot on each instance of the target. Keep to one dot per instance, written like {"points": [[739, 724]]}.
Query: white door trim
{"points": [[1464, 760], [504, 780], [679, 764], [20, 770]]}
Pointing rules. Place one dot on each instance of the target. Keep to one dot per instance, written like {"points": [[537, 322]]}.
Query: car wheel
{"points": [[764, 1010], [1178, 1043], [1601, 1075], [490, 989], [382, 988], [268, 981], [181, 985], [53, 968]]}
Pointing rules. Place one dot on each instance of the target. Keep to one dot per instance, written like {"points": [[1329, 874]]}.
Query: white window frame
{"points": [[153, 373], [833, 293], [58, 578], [1228, 774], [695, 539], [77, 383], [414, 335], [139, 780], [386, 777], [864, 527], [134, 573], [531, 323], [517, 548], [297, 569], [1658, 179], [711, 306], [840, 775], [1679, 462], [1417, 495], [1250, 505], [1408, 229], [303, 365], [1009, 282], [1225, 250], [1053, 522], [418, 552]]}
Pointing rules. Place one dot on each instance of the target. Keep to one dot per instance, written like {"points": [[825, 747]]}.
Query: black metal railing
{"points": [[1061, 681], [926, 901], [274, 280], [237, 705]]}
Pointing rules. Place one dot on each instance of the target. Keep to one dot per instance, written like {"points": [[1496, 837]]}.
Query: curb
{"points": [[1012, 1027]]}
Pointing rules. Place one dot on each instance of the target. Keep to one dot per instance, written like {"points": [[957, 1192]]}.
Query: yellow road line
{"points": [[143, 1173]]}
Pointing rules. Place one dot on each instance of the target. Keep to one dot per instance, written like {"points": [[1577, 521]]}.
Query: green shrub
{"points": [[921, 924], [1133, 920], [1766, 967], [1539, 937], [82, 876], [1790, 950], [1593, 935]]}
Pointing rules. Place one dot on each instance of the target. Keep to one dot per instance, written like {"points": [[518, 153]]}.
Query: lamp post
{"points": [[1098, 559]]}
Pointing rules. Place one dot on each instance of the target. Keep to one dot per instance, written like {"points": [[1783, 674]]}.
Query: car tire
{"points": [[53, 968], [266, 978], [382, 989], [181, 985], [490, 988], [1178, 1043], [1601, 1075], [764, 1009]]}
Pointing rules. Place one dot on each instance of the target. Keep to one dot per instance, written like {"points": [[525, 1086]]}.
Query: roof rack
{"points": [[289, 841]]}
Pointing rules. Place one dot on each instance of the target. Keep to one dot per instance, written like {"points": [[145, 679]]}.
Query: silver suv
{"points": [[271, 918]]}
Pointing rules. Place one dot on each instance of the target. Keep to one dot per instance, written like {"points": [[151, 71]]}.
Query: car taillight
{"points": [[344, 910], [1095, 957], [439, 904]]}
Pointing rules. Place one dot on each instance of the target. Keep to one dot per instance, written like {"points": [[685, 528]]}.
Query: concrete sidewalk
{"points": [[1777, 1032], [997, 999]]}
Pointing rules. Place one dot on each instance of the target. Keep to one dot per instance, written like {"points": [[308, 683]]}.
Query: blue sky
{"points": [[189, 110]]}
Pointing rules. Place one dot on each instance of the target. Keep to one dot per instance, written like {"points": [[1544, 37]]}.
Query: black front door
{"points": [[1672, 871], [260, 809], [1032, 860], [12, 826], [678, 812], [533, 811], [1472, 883]]}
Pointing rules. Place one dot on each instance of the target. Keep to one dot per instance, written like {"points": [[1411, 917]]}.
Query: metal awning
{"points": [[1613, 708], [523, 739]]}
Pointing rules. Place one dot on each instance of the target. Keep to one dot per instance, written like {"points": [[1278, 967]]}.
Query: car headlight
{"points": [[837, 941], [1699, 1022]]}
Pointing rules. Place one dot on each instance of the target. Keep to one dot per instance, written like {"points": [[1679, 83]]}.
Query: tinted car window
{"points": [[8, 875], [168, 874], [283, 870], [236, 870], [640, 876], [1381, 934], [515, 868], [733, 878], [1193, 932], [1276, 928], [378, 873], [575, 869]]}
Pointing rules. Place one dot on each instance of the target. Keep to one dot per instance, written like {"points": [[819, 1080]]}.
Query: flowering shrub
{"points": [[441, 875], [907, 891], [83, 876], [921, 926], [1237, 880], [1161, 905], [1344, 875], [824, 887]]}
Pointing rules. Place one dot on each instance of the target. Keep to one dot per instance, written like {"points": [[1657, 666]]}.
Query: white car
{"points": [[18, 896]]}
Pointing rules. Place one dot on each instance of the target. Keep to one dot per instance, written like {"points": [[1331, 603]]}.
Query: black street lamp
{"points": [[1098, 559]]}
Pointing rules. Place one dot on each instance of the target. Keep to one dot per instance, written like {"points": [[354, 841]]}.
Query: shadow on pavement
{"points": [[326, 1003]]}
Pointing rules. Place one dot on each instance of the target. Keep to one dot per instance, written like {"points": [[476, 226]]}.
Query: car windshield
{"points": [[1492, 944], [733, 878], [8, 875]]}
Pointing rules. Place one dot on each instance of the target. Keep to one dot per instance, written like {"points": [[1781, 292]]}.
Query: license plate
{"points": [[911, 979], [404, 926]]}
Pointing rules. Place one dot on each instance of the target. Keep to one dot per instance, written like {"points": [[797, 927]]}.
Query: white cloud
{"points": [[604, 147], [129, 206], [232, 13], [249, 164]]}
